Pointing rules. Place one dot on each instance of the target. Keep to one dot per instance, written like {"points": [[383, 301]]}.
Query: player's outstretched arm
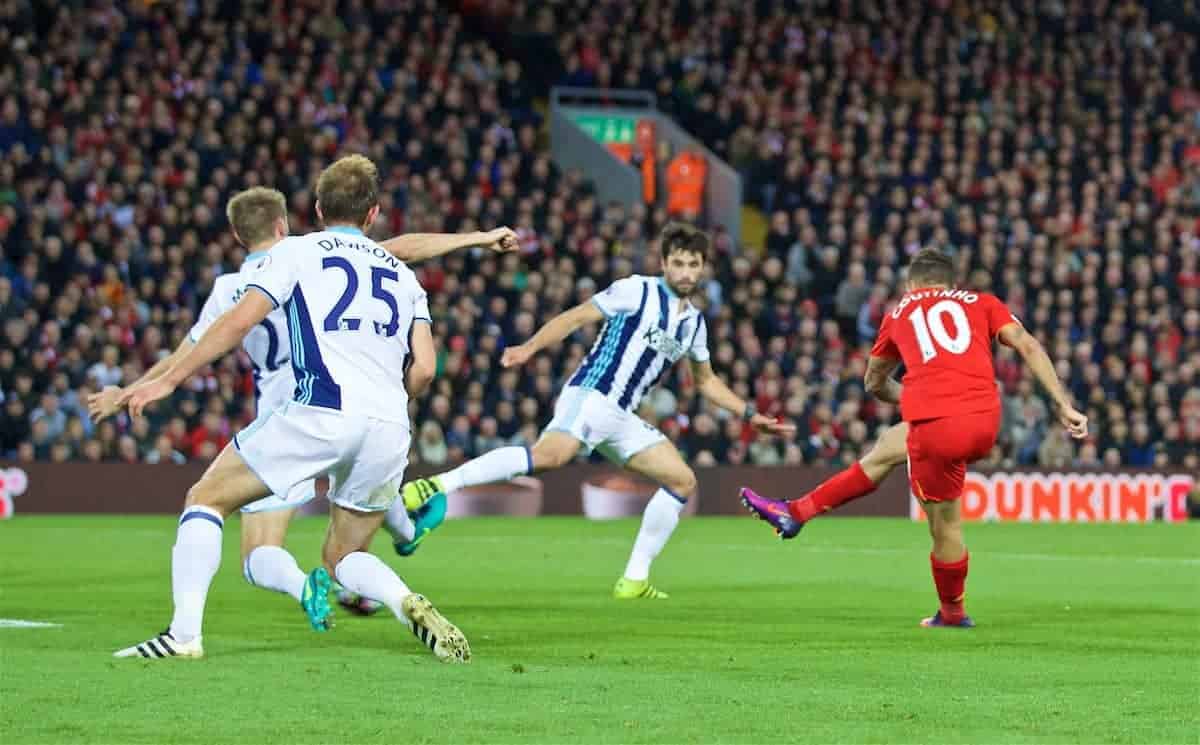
{"points": [[879, 381], [1031, 350], [225, 334], [104, 403], [555, 330], [424, 360], [710, 385], [413, 247]]}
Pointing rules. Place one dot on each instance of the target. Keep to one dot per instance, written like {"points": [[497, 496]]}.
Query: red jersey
{"points": [[944, 338]]}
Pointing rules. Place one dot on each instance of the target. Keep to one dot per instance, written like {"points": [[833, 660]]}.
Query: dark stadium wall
{"points": [[598, 490], [602, 491]]}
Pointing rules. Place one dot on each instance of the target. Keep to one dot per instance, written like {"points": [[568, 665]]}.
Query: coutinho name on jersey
{"points": [[964, 296]]}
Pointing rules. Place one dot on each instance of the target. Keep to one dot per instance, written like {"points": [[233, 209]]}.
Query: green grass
{"points": [[1086, 634]]}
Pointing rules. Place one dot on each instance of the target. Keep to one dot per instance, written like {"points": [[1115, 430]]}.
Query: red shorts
{"points": [[940, 449]]}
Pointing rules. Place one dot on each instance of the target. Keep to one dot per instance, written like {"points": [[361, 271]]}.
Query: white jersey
{"points": [[350, 308], [266, 344], [646, 332]]}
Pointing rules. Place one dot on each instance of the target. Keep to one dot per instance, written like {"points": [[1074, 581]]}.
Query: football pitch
{"points": [[1087, 633]]}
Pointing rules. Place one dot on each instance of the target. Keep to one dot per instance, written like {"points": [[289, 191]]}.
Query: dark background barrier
{"points": [[120, 488], [606, 491]]}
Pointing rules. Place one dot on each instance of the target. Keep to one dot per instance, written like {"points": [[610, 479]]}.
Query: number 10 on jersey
{"points": [[932, 333]]}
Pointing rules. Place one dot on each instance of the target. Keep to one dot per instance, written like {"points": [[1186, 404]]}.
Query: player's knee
{"points": [[335, 550], [683, 484], [549, 457], [885, 457], [332, 555], [247, 573], [947, 538], [253, 542], [200, 494]]}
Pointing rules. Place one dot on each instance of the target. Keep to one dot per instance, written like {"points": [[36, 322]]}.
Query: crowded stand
{"points": [[1053, 149]]}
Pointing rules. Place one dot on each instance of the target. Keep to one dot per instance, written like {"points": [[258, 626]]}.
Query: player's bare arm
{"points": [[710, 385], [1031, 350], [413, 247], [424, 360], [879, 381], [555, 330], [104, 403], [226, 333]]}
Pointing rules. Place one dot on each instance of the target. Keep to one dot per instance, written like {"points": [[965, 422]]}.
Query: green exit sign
{"points": [[610, 130]]}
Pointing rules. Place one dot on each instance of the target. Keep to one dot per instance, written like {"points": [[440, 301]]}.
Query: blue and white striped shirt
{"points": [[648, 329]]}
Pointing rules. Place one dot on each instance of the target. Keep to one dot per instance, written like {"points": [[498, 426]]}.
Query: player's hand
{"points": [[105, 403], [1075, 423], [515, 356], [138, 397], [771, 425], [502, 240]]}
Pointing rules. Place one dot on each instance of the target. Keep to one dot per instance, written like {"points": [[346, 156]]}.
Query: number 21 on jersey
{"points": [[943, 327]]}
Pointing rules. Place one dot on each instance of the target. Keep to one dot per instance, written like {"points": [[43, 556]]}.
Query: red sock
{"points": [[951, 579], [844, 487]]}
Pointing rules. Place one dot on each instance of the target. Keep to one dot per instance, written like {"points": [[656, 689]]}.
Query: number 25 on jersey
{"points": [[335, 321]]}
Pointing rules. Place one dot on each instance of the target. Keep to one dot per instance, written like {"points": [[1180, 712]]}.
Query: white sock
{"points": [[658, 522], [365, 574], [194, 562], [273, 568], [500, 464], [399, 524]]}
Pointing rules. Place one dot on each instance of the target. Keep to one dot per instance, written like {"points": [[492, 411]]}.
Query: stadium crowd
{"points": [[1052, 148]]}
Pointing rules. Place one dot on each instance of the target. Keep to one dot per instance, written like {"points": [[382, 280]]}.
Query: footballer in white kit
{"points": [[268, 347], [350, 308], [358, 342], [258, 219], [647, 331], [649, 325]]}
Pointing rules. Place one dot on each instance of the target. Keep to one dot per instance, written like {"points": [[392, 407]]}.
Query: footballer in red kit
{"points": [[950, 399], [950, 404]]}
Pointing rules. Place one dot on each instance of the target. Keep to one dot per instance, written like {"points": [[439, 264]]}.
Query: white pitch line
{"points": [[1018, 556], [773, 545], [17, 623]]}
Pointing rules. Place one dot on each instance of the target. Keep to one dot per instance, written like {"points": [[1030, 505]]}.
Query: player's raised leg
{"points": [[345, 554], [661, 463], [501, 464], [409, 529], [227, 485], [265, 562], [859, 480], [554, 449]]}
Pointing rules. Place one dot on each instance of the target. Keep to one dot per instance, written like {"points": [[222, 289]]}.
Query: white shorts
{"points": [[364, 457], [301, 493], [601, 425]]}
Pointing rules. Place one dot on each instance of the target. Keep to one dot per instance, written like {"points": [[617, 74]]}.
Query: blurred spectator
{"points": [[164, 452], [431, 446], [107, 371], [51, 415], [1059, 167]]}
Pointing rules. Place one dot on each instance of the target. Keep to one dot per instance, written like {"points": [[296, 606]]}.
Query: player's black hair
{"points": [[931, 267], [679, 236]]}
